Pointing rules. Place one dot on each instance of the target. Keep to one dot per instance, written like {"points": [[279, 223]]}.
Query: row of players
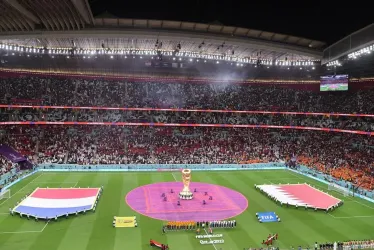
{"points": [[190, 225], [347, 245]]}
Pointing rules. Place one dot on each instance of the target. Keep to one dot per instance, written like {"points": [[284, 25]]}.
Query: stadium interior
{"points": [[104, 116]]}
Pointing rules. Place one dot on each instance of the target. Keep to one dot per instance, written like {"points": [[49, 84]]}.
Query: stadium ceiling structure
{"points": [[68, 26]]}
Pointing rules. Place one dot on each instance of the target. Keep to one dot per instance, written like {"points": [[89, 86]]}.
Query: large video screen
{"points": [[334, 83]]}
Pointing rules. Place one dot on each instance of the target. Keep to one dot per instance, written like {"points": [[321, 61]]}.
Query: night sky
{"points": [[319, 20]]}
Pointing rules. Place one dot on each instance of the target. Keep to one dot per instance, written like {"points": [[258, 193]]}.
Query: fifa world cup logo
{"points": [[186, 178]]}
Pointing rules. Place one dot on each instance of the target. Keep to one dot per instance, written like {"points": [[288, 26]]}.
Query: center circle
{"points": [[160, 201]]}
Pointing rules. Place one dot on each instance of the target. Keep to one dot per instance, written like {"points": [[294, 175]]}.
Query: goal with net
{"points": [[337, 188], [5, 194]]}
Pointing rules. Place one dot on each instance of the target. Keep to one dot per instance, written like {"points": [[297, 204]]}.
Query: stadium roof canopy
{"points": [[69, 23], [354, 42]]}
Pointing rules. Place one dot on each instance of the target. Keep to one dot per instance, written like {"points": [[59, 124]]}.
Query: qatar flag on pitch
{"points": [[52, 202]]}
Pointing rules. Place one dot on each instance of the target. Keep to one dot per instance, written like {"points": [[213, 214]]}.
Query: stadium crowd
{"points": [[65, 115], [224, 95], [345, 156], [5, 165]]}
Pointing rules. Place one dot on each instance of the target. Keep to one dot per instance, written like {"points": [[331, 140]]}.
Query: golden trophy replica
{"points": [[186, 193]]}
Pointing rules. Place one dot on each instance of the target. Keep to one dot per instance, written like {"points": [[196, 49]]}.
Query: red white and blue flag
{"points": [[52, 202]]}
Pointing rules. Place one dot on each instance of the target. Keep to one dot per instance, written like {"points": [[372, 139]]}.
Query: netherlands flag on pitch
{"points": [[52, 202]]}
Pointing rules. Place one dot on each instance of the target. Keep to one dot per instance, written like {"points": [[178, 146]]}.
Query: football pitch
{"points": [[94, 230], [334, 87]]}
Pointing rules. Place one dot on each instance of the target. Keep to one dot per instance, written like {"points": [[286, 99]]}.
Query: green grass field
{"points": [[94, 231], [341, 87]]}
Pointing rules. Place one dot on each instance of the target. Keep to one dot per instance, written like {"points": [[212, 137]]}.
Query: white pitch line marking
{"points": [[20, 232], [352, 217], [47, 182], [290, 178], [21, 189], [44, 227], [61, 183], [210, 239], [26, 232], [174, 177], [363, 204]]}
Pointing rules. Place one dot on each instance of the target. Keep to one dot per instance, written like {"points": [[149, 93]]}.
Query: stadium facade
{"points": [[352, 55], [66, 38]]}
